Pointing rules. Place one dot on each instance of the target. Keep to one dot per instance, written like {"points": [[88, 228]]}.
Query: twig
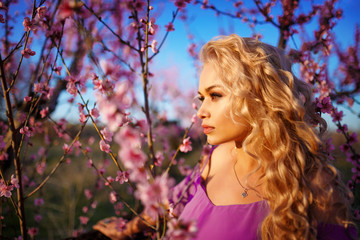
{"points": [[11, 197], [268, 19], [121, 199], [118, 57], [98, 131], [58, 163], [166, 34], [18, 45], [145, 88], [107, 26], [178, 149], [15, 146]]}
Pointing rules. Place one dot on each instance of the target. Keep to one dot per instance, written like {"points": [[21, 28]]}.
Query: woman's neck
{"points": [[245, 163]]}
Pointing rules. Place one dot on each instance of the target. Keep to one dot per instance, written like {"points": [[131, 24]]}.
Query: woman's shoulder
{"points": [[214, 157], [212, 150]]}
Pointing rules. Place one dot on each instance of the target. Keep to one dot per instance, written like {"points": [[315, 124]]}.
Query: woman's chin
{"points": [[213, 141]]}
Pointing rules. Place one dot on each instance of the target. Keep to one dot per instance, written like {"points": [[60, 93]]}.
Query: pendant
{"points": [[244, 194]]}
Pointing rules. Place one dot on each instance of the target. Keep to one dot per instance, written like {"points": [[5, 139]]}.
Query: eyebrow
{"points": [[211, 87]]}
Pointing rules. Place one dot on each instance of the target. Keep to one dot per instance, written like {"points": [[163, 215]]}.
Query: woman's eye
{"points": [[215, 95], [201, 98]]}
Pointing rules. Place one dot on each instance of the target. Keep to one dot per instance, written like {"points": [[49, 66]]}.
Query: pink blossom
{"points": [[38, 202], [33, 231], [153, 46], [68, 8], [170, 27], [102, 85], [181, 230], [186, 145], [95, 113], [5, 190], [107, 134], [194, 106], [57, 70], [41, 152], [71, 85], [139, 5], [337, 116], [112, 108], [154, 195], [41, 12], [101, 171], [67, 149], [192, 50], [180, 3], [132, 157], [28, 25], [152, 26], [343, 128], [85, 209], [195, 119], [82, 117], [44, 112], [104, 146], [27, 131], [109, 180], [112, 197], [122, 177], [94, 204], [88, 194], [345, 147], [14, 181], [38, 87], [83, 220], [353, 138], [37, 218], [27, 99], [121, 98], [128, 136], [27, 52], [55, 31], [89, 163], [40, 168], [139, 175], [77, 144], [159, 157], [324, 105], [4, 156], [142, 124]]}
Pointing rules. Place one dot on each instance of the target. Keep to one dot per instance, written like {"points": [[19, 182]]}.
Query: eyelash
{"points": [[212, 95]]}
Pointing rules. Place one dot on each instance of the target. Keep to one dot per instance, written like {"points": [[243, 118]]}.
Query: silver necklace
{"points": [[244, 194]]}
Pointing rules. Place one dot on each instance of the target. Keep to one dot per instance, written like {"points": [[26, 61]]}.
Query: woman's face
{"points": [[215, 109]]}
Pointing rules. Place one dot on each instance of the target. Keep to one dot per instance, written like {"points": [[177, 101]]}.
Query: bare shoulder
{"points": [[216, 158]]}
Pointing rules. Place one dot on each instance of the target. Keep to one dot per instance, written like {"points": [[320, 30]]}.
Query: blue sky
{"points": [[204, 25]]}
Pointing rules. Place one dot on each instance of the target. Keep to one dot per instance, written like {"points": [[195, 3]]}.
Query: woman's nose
{"points": [[202, 112]]}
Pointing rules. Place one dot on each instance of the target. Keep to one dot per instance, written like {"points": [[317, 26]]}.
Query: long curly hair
{"points": [[299, 182]]}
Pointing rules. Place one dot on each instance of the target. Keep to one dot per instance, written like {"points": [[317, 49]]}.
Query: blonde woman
{"points": [[267, 176]]}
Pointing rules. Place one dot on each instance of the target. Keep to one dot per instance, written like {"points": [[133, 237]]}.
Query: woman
{"points": [[269, 176]]}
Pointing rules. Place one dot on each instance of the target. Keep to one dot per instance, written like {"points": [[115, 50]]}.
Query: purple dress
{"points": [[230, 222]]}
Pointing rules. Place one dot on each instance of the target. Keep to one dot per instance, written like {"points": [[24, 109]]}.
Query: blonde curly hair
{"points": [[300, 184]]}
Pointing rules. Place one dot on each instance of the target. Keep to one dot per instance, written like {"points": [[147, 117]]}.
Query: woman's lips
{"points": [[207, 129]]}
